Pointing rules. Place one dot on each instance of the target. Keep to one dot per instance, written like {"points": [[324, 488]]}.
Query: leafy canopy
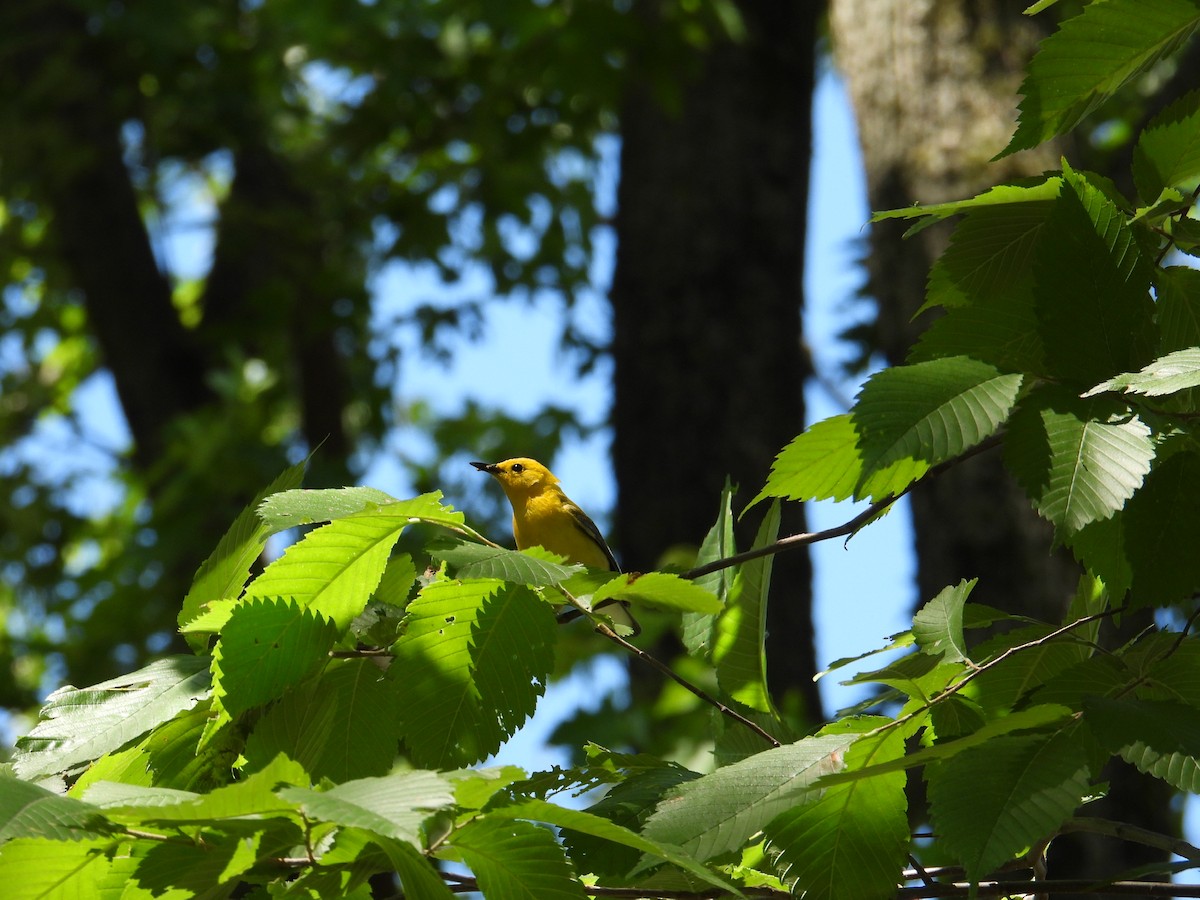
{"points": [[335, 717]]}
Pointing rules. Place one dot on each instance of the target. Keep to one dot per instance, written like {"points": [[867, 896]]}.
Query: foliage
{"points": [[332, 724]]}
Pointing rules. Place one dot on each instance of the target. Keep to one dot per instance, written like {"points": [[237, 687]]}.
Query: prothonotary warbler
{"points": [[543, 516]]}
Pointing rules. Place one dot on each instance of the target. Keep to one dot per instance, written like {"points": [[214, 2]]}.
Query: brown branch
{"points": [[1134, 834], [846, 529], [662, 667]]}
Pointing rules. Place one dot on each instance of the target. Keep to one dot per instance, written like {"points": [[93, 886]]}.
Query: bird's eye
{"points": [[518, 468]]}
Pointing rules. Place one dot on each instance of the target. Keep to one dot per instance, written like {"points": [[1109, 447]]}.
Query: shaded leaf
{"points": [[515, 860], [998, 798], [1079, 460], [1091, 57], [536, 567]]}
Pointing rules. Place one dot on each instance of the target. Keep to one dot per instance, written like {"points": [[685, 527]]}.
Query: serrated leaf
{"points": [[1079, 460], [81, 724], [29, 811], [394, 806], [1161, 523], [821, 463], [991, 802], [341, 726], [1091, 289], [290, 509], [938, 625], [990, 256], [336, 567], [1008, 682], [1167, 153], [658, 589], [266, 647], [739, 651], [697, 630], [929, 412], [596, 826], [536, 566], [851, 840], [225, 572], [1168, 374], [1031, 191], [515, 860], [474, 660], [1091, 57], [1178, 290], [719, 813]]}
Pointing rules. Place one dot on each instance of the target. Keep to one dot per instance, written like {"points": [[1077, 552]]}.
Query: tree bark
{"points": [[707, 300], [934, 86]]}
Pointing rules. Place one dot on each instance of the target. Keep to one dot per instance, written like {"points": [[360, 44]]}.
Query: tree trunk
{"points": [[934, 86], [707, 300]]}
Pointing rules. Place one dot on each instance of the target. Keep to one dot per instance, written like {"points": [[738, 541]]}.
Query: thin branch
{"points": [[951, 690], [1132, 833], [662, 667], [846, 529]]}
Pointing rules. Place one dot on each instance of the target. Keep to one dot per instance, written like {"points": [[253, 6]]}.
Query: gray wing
{"points": [[588, 527]]}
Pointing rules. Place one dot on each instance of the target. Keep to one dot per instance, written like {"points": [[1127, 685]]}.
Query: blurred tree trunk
{"points": [[934, 86], [707, 301]]}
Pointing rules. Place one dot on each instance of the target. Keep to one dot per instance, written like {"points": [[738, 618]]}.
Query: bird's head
{"points": [[519, 476]]}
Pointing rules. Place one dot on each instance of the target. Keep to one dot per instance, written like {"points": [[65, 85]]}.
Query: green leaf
{"points": [[27, 811], [1033, 718], [535, 567], [225, 572], [1167, 153], [1008, 682], [81, 724], [821, 463], [697, 630], [418, 877], [266, 647], [395, 806], [993, 801], [1079, 460], [474, 660], [1178, 307], [1031, 191], [516, 860], [1161, 523], [938, 625], [341, 726], [1100, 546], [335, 568], [1091, 57], [256, 795], [1160, 737], [990, 256], [719, 813], [930, 412], [658, 589], [36, 869], [592, 825], [851, 840], [738, 652], [290, 509], [1168, 374], [1091, 289]]}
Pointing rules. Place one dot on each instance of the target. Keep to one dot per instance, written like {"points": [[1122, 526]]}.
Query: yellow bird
{"points": [[543, 516]]}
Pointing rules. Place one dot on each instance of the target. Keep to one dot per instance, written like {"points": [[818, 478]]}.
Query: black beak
{"points": [[490, 468]]}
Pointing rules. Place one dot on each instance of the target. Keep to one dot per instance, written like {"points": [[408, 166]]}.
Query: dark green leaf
{"points": [[1160, 737], [535, 567], [1161, 523], [28, 811], [515, 860], [1168, 149], [1091, 57], [996, 799]]}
